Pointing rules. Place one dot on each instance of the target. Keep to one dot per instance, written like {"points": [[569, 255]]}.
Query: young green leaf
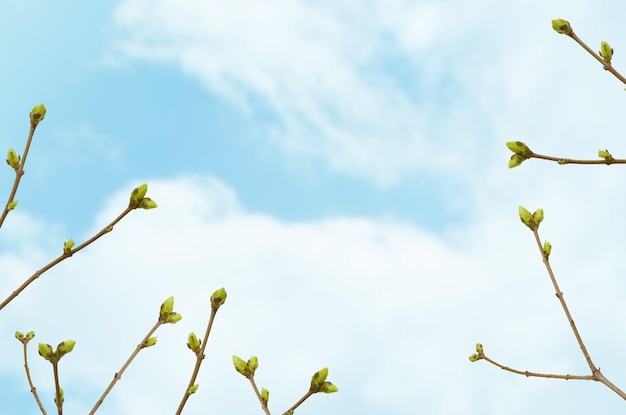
{"points": [[150, 342], [166, 308], [241, 366], [218, 298], [547, 248], [193, 342], [318, 379], [562, 26], [606, 51], [37, 114], [13, 159]]}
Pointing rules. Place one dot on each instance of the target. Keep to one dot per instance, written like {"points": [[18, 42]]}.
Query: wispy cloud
{"points": [[334, 77]]}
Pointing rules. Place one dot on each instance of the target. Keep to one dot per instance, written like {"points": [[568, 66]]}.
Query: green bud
{"points": [[479, 348], [173, 318], [520, 148], [547, 248], [265, 395], [318, 379], [241, 366], [37, 114], [67, 246], [290, 412], [108, 229], [516, 160], [606, 51], [137, 195], [12, 205], [150, 342], [19, 336], [562, 26], [62, 395], [526, 217], [562, 161], [192, 389], [13, 159], [193, 342], [30, 335], [166, 308], [46, 351], [253, 364], [147, 203], [64, 348], [218, 298], [604, 154], [538, 216], [475, 357], [328, 387]]}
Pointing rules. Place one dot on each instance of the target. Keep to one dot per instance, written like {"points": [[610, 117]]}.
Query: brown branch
{"points": [[64, 256], [559, 295], [118, 375], [258, 395], [33, 389], [18, 173], [596, 374], [535, 374], [563, 160], [607, 65], [199, 358], [300, 401], [58, 394]]}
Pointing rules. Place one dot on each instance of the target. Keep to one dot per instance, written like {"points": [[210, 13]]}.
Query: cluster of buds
{"points": [[53, 356], [521, 153], [531, 220], [480, 353], [138, 198]]}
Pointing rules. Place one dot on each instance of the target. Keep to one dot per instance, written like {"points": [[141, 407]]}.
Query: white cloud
{"points": [[392, 310], [317, 67], [379, 90]]}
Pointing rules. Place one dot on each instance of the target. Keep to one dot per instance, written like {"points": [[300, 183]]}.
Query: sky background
{"points": [[338, 167]]}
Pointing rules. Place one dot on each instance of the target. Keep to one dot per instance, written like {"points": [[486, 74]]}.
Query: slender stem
{"points": [[118, 375], [559, 295], [607, 66], [596, 374], [33, 389], [535, 374], [199, 358], [258, 395], [62, 257], [600, 378], [57, 387], [563, 160], [18, 173], [297, 404]]}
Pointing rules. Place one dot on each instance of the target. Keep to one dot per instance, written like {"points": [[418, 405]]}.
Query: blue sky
{"points": [[341, 170]]}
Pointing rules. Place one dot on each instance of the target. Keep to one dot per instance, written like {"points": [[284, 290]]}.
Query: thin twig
{"points": [[64, 256], [595, 372], [18, 173], [559, 295], [607, 65], [118, 375], [57, 387], [535, 374], [563, 160], [33, 389], [199, 358], [300, 401], [258, 395]]}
